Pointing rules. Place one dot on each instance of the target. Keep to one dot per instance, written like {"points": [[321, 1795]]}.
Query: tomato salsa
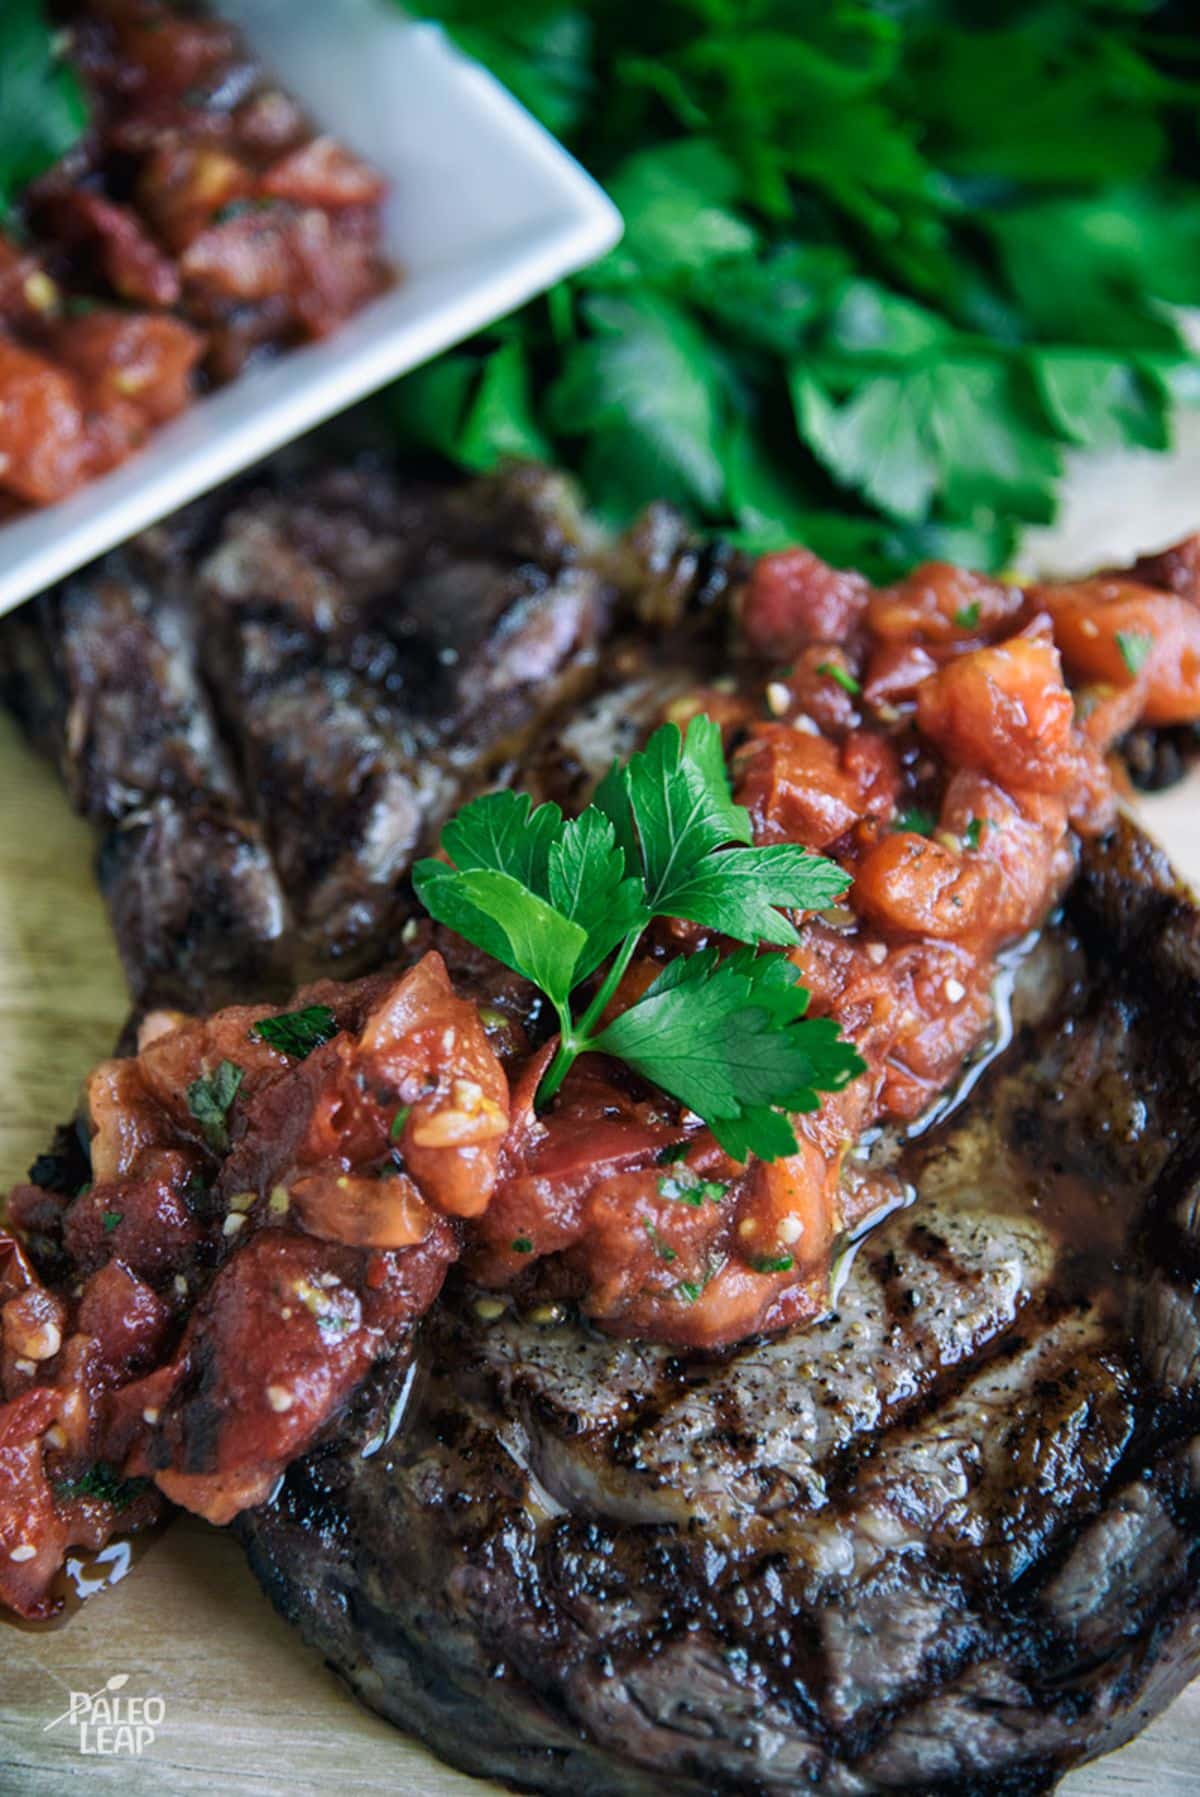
{"points": [[198, 222], [276, 1197]]}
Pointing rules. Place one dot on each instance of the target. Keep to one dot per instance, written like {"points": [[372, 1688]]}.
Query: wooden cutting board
{"points": [[246, 1708]]}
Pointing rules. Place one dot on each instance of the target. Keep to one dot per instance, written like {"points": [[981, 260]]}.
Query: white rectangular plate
{"points": [[485, 211]]}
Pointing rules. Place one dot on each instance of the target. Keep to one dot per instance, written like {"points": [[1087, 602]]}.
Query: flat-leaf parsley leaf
{"points": [[917, 819], [297, 1033], [42, 108], [555, 899], [209, 1100]]}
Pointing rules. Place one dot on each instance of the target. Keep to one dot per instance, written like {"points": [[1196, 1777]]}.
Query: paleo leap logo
{"points": [[108, 1724]]}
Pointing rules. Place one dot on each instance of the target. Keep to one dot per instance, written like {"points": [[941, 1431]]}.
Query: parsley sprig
{"points": [[555, 899]]}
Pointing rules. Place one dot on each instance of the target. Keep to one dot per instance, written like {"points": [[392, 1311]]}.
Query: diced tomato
{"points": [[184, 184], [938, 603], [45, 452], [799, 787], [268, 123], [1125, 634], [1006, 711], [323, 173], [172, 53], [126, 1320], [283, 1336], [148, 1218], [32, 1536], [908, 885], [141, 359], [430, 1047], [245, 258], [794, 599], [125, 1118], [337, 267], [385, 1212], [114, 236], [894, 673]]}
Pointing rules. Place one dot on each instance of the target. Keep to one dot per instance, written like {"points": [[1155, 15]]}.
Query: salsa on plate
{"points": [[278, 1193]]}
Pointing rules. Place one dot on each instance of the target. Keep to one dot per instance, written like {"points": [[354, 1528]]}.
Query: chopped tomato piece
{"points": [[387, 1212], [114, 236], [172, 53], [323, 173], [1006, 711], [33, 1537], [1125, 634], [938, 603], [183, 185], [45, 452], [287, 1330], [138, 358], [794, 599]]}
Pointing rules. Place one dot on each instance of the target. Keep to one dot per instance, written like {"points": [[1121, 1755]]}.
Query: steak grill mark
{"points": [[948, 1546], [269, 704], [943, 1541]]}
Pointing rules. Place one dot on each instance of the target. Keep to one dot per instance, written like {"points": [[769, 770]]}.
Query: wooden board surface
{"points": [[247, 1708]]}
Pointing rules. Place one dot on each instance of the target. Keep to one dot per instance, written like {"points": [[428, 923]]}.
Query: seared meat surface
{"points": [[943, 1540], [376, 650], [106, 673], [946, 1540], [268, 706]]}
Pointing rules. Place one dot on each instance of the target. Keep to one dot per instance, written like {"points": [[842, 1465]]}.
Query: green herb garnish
{"points": [[900, 218], [522, 1245], [1135, 646], [916, 819], [297, 1033], [773, 1263], [554, 900], [240, 208], [674, 1151], [398, 1122], [967, 616], [688, 1290], [845, 679], [42, 107], [973, 833], [687, 1187], [663, 1249], [109, 1220], [209, 1100], [101, 1481]]}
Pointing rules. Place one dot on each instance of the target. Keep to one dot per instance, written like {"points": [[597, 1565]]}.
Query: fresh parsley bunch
{"points": [[555, 899], [885, 262]]}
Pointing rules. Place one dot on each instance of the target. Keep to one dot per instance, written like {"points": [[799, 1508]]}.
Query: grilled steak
{"points": [[946, 1540]]}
